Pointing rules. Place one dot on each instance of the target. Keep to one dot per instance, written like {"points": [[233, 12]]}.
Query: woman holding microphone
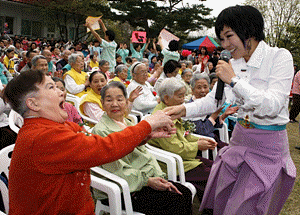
{"points": [[255, 173]]}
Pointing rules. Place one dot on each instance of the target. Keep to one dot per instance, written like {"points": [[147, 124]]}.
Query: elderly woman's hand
{"points": [[206, 143], [161, 184], [135, 93], [160, 120]]}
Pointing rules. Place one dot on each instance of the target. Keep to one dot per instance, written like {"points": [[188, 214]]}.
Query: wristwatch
{"points": [[234, 80]]}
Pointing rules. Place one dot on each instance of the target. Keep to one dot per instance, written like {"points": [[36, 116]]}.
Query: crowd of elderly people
{"points": [[53, 152]]}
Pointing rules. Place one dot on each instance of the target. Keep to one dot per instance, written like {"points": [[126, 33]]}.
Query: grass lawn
{"points": [[292, 205]]}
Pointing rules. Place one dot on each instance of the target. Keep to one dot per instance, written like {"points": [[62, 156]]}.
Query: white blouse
{"points": [[263, 90]]}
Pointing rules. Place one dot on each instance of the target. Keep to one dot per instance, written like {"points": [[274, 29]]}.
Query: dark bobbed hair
{"points": [[113, 84], [29, 52], [94, 73], [170, 66], [173, 45], [203, 47], [246, 21], [56, 79], [111, 35], [153, 58], [20, 87], [128, 59]]}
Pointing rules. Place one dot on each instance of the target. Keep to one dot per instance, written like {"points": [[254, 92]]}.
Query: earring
{"points": [[248, 46]]}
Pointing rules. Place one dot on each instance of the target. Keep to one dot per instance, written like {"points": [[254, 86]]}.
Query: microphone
{"points": [[225, 55]]}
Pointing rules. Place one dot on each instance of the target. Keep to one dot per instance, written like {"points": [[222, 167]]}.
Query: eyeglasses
{"points": [[142, 72]]}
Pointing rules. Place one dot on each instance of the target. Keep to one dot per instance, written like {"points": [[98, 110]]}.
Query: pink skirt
{"points": [[253, 175]]}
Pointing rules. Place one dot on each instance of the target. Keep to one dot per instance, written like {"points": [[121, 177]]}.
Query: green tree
{"points": [[152, 17], [282, 23]]}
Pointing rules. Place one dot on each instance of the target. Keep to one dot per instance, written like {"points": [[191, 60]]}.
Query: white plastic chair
{"points": [[223, 132], [205, 152], [76, 101], [5, 158], [115, 209], [178, 163], [4, 194], [137, 114], [15, 121]]}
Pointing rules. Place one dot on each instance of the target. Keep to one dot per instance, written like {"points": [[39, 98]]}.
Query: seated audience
{"points": [[50, 167], [51, 66], [128, 63], [7, 136], [64, 61], [213, 79], [121, 74], [171, 69], [104, 67], [73, 115], [155, 73], [93, 62], [146, 102], [150, 191], [5, 75], [76, 80], [206, 125], [91, 105], [186, 76], [118, 60], [183, 143], [39, 62], [8, 60], [23, 61], [29, 55], [182, 67]]}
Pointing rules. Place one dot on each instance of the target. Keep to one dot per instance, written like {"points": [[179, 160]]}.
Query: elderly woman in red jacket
{"points": [[50, 167]]}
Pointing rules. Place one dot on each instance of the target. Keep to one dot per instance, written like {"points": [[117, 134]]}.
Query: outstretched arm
{"points": [[160, 43], [88, 25], [104, 29]]}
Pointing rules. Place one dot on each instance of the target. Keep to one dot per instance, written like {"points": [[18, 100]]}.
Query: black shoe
{"points": [[293, 120], [297, 147]]}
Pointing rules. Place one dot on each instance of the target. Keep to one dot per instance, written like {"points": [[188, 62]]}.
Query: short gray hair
{"points": [[186, 70], [134, 67], [144, 60], [35, 59], [198, 76], [102, 62], [169, 86], [120, 68], [188, 63], [73, 57]]}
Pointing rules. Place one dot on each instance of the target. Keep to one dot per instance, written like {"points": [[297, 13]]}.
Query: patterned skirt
{"points": [[253, 175]]}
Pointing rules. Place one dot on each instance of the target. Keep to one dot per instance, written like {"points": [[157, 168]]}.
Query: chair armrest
{"points": [[224, 136], [133, 118], [137, 113], [205, 152], [4, 193], [120, 181], [178, 159], [76, 101], [111, 189], [170, 161]]}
